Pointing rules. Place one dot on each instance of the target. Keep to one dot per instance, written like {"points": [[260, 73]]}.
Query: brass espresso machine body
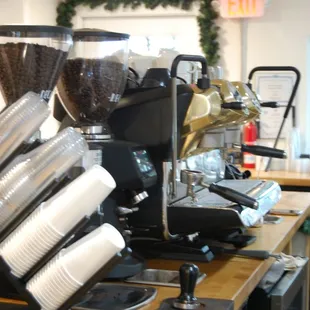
{"points": [[179, 204]]}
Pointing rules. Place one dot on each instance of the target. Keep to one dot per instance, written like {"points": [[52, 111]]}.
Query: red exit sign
{"points": [[242, 8]]}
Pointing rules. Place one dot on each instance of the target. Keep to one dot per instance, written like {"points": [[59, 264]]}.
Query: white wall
{"points": [[173, 21], [282, 38], [40, 12]]}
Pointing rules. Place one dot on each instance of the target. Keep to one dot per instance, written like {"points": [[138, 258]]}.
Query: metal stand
{"points": [[15, 288], [291, 99]]}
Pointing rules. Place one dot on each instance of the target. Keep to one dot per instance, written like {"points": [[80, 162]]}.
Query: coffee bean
{"points": [[94, 86], [29, 67]]}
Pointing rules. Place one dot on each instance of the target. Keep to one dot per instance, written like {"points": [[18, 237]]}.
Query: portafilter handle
{"points": [[194, 178], [188, 278], [261, 150]]}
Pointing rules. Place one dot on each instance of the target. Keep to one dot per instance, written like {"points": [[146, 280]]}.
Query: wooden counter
{"points": [[234, 278], [284, 178]]}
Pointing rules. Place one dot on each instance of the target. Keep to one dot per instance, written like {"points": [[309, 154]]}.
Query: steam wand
{"points": [[203, 83]]}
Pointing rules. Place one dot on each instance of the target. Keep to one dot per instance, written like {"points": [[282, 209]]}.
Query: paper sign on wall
{"points": [[274, 88], [242, 8]]}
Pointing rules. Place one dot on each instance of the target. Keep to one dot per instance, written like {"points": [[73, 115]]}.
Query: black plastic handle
{"points": [[233, 195], [269, 104], [303, 156], [196, 58], [188, 278], [233, 105], [260, 254], [263, 151]]}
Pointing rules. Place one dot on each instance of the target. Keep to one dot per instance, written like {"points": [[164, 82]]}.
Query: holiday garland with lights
{"points": [[206, 20]]}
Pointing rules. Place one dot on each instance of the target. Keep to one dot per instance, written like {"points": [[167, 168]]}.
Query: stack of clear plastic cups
{"points": [[71, 268], [52, 220], [28, 175], [19, 122]]}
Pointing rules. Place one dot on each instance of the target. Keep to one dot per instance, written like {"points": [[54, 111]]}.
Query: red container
{"points": [[249, 138]]}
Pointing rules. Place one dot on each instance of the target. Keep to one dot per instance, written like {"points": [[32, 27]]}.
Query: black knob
{"points": [[188, 278]]}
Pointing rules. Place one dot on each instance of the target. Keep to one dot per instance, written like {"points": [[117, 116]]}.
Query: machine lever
{"points": [[232, 195], [233, 105], [262, 151], [194, 178], [259, 254], [269, 104]]}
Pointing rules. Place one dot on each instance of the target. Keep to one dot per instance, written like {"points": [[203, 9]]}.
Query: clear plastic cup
{"points": [[19, 122], [30, 174]]}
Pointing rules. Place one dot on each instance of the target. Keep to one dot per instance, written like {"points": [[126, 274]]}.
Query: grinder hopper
{"points": [[31, 59], [94, 77]]}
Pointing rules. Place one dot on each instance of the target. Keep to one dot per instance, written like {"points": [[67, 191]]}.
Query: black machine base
{"points": [[236, 237], [128, 267], [180, 249], [196, 249], [206, 304]]}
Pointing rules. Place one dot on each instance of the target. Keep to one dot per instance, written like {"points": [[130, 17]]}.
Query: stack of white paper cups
{"points": [[32, 239], [71, 268]]}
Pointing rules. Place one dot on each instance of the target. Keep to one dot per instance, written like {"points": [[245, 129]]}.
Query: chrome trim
{"points": [[139, 197], [174, 138], [96, 137], [92, 130], [165, 192]]}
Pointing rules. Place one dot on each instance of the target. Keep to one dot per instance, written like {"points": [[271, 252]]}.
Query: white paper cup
{"points": [[68, 270], [80, 198], [97, 248]]}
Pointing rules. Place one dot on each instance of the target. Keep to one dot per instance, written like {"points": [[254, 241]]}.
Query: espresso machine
{"points": [[90, 88], [185, 207]]}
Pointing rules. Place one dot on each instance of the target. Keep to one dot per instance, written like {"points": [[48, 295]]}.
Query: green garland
{"points": [[207, 18]]}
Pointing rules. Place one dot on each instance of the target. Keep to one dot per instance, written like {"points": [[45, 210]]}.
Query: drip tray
{"points": [[160, 277], [104, 296], [205, 304]]}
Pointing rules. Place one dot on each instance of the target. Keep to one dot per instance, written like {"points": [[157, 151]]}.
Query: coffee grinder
{"points": [[90, 87], [31, 59]]}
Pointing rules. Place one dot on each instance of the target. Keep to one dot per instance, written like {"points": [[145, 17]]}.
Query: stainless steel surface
{"points": [[191, 177], [165, 201], [160, 277], [267, 193], [123, 211], [285, 212], [139, 197], [99, 210], [97, 138], [209, 199], [92, 130], [116, 296], [182, 306], [174, 137], [269, 219]]}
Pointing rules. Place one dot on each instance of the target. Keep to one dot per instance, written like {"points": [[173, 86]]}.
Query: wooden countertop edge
{"points": [[250, 285]]}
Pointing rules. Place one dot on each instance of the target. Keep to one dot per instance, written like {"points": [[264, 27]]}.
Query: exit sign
{"points": [[242, 8]]}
